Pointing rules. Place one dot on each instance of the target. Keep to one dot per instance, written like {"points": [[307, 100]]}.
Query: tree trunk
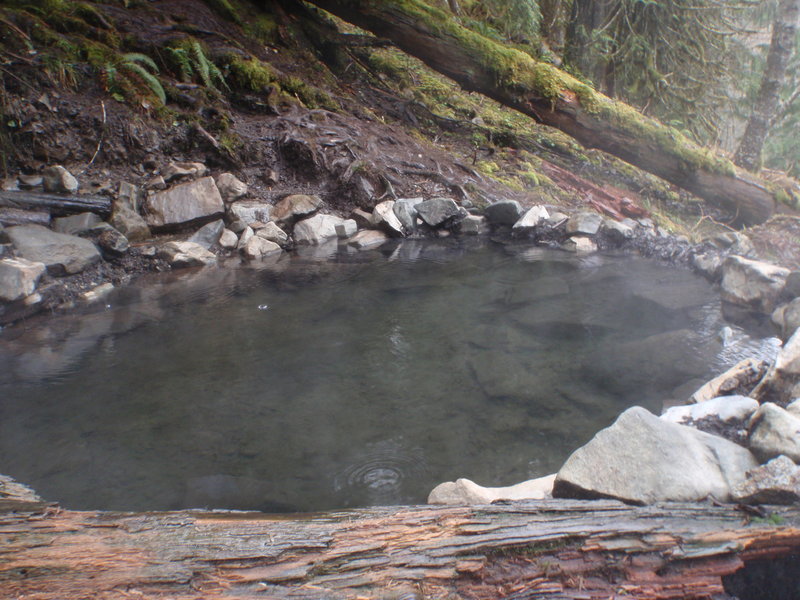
{"points": [[748, 155], [56, 204], [587, 17], [557, 99], [544, 549]]}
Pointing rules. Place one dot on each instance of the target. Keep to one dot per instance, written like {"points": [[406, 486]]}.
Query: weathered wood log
{"points": [[17, 216], [544, 549], [56, 204], [554, 98]]}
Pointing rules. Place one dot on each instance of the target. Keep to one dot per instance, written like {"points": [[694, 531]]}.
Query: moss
{"points": [[310, 96], [263, 28], [251, 74], [225, 9]]}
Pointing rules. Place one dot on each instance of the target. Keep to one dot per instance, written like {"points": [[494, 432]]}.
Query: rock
{"points": [[249, 211], [294, 207], [791, 289], [464, 491], [244, 237], [405, 209], [256, 247], [29, 182], [273, 233], [752, 284], [617, 231], [316, 229], [708, 265], [111, 241], [474, 225], [181, 170], [579, 244], [19, 278], [156, 183], [787, 318], [643, 459], [76, 224], [368, 238], [533, 217], [208, 234], [346, 229], [185, 203], [230, 188], [129, 196], [725, 408], [504, 212], [186, 254], [793, 408], [62, 254], [130, 224], [782, 382], [439, 212], [57, 179], [774, 431], [383, 217], [98, 293], [584, 223], [228, 239], [17, 492], [735, 243], [739, 379], [237, 226], [777, 482], [362, 218]]}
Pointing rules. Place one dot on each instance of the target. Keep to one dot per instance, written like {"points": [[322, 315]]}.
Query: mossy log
{"points": [[555, 98], [56, 204], [542, 549]]}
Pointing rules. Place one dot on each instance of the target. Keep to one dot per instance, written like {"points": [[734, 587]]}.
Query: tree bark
{"points": [[543, 549], [556, 99], [56, 204], [784, 29]]}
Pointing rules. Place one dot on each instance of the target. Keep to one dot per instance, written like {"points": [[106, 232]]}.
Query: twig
{"points": [[99, 142]]}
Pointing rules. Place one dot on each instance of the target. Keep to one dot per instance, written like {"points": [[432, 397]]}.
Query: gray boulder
{"points": [[752, 284], [129, 223], [273, 233], [405, 209], [295, 207], [208, 234], [709, 265], [62, 254], [19, 278], [787, 318], [76, 224], [777, 482], [504, 212], [346, 229], [617, 231], [439, 212], [257, 247], [58, 180], [584, 223], [383, 217], [228, 240], [186, 254], [316, 229], [230, 187], [533, 217], [245, 236], [473, 225], [185, 203], [183, 170], [644, 459], [249, 211], [774, 431]]}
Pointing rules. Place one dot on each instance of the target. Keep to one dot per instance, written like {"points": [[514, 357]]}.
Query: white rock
{"points": [[270, 231], [228, 240], [98, 293], [316, 229], [774, 431], [584, 223], [725, 408], [244, 237], [782, 382], [230, 187], [179, 170], [405, 209], [249, 211], [777, 482], [295, 206], [464, 491], [184, 203], [532, 218], [186, 254], [368, 238], [742, 377], [753, 284], [257, 247], [346, 229], [57, 179], [579, 245], [383, 217], [19, 278]]}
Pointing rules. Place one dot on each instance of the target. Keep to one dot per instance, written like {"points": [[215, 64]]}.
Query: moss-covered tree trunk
{"points": [[554, 98]]}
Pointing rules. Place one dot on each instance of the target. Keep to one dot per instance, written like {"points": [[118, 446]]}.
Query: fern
{"points": [[209, 72], [149, 79], [182, 63], [121, 75]]}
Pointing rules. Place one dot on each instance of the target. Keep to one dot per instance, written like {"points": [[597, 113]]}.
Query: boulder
{"points": [[182, 170], [316, 229], [504, 212], [208, 234], [709, 265], [129, 195], [383, 217], [439, 212], [782, 382], [473, 225], [579, 244], [464, 491], [19, 278], [752, 284], [734, 242], [76, 224], [725, 408], [29, 182], [346, 229], [584, 223], [362, 218], [617, 231], [257, 247], [58, 180], [245, 236], [777, 482], [228, 239], [793, 408], [230, 188], [774, 431], [533, 217], [405, 209], [185, 203], [186, 254], [273, 233], [294, 207], [110, 241], [62, 254], [368, 238], [129, 223], [741, 378], [643, 459], [249, 211], [791, 289], [787, 318]]}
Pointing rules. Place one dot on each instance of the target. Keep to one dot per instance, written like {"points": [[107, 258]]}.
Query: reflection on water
{"points": [[311, 385]]}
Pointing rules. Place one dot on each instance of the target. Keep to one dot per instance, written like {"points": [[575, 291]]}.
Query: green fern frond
{"points": [[182, 62], [137, 57], [201, 62], [150, 80]]}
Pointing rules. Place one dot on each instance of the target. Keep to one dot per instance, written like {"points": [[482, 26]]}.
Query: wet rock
{"points": [[249, 211], [130, 224], [98, 293], [30, 182], [616, 231], [257, 247], [156, 183], [273, 233], [362, 218], [19, 278], [644, 459], [368, 238], [346, 229], [208, 234], [316, 229], [62, 254], [58, 180], [584, 223], [405, 209], [230, 187], [186, 254], [782, 382], [740, 379], [774, 431], [182, 170], [383, 217], [734, 242], [725, 408], [709, 265], [185, 203], [228, 240], [439, 212], [579, 244], [791, 289], [294, 207], [76, 224], [237, 226], [474, 225], [130, 196], [111, 242], [752, 284], [504, 212], [787, 318], [777, 482], [464, 491], [533, 217], [245, 236]]}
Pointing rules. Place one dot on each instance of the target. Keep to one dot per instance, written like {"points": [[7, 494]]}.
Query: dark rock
{"points": [[208, 234], [62, 254], [505, 212]]}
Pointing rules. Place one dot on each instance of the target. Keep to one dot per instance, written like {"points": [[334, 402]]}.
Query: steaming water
{"points": [[364, 381]]}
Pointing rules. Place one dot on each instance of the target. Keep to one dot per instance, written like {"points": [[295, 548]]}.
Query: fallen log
{"points": [[541, 549], [56, 204], [16, 216], [555, 98]]}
